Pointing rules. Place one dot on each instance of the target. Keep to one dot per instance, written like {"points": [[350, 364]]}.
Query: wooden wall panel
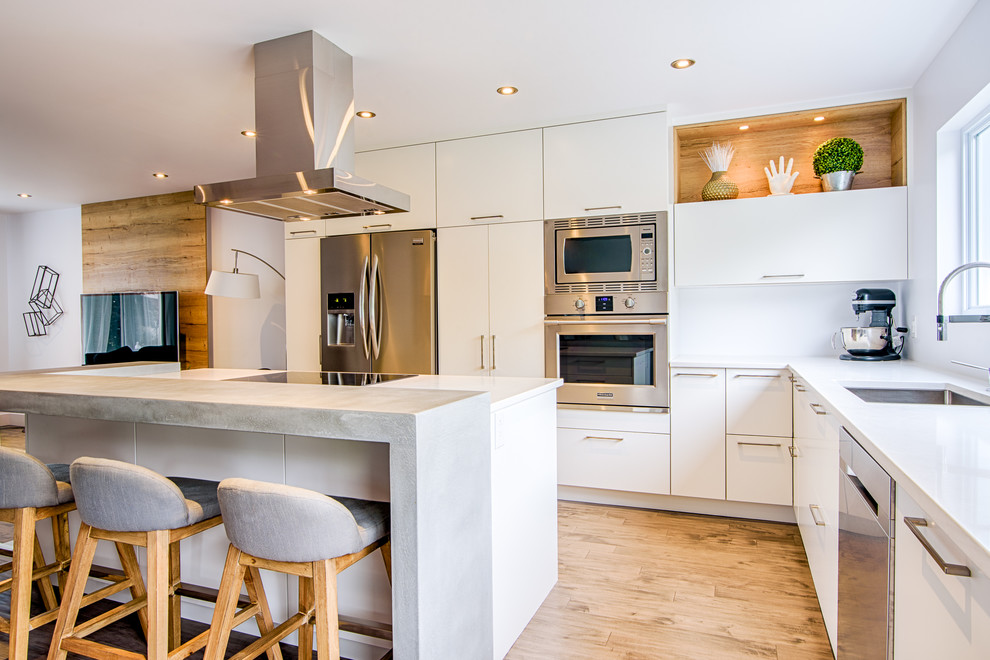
{"points": [[155, 243]]}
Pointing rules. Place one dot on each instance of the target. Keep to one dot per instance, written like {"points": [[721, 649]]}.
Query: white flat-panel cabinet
{"points": [[816, 498], [697, 433], [490, 300], [302, 304], [411, 170], [936, 615], [758, 469], [606, 167], [305, 229], [492, 178], [614, 460], [758, 402], [826, 237]]}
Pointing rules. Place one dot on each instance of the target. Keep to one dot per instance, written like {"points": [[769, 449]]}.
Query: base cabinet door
{"points": [[697, 431], [816, 499], [758, 469], [936, 615], [614, 460]]}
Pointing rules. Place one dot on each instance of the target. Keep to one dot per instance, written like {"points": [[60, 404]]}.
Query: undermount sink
{"points": [[941, 396]]}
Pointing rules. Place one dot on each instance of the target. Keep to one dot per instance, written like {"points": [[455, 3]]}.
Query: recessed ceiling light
{"points": [[365, 114], [507, 91], [160, 175], [819, 118], [24, 195], [682, 63], [744, 127], [249, 133], [378, 212]]}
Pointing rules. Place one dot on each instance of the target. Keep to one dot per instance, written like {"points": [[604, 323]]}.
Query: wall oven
{"points": [[606, 310], [616, 361]]}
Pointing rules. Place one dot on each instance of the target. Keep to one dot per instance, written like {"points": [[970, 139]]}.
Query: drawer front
{"points": [[758, 469], [638, 422], [307, 229], [626, 461], [758, 402]]}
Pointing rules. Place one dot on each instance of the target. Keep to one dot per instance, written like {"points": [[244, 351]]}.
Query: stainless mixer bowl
{"points": [[862, 341]]}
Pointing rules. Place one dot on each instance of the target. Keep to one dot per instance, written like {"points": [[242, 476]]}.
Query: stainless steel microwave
{"points": [[611, 253]]}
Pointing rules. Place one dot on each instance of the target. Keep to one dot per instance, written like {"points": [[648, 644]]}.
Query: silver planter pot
{"points": [[837, 180]]}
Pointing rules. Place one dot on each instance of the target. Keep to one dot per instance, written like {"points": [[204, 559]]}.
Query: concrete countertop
{"points": [[939, 454]]}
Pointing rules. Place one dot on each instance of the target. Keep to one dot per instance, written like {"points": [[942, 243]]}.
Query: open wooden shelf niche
{"points": [[880, 127]]}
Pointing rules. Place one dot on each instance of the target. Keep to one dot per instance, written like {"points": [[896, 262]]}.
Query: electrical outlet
{"points": [[913, 327]]}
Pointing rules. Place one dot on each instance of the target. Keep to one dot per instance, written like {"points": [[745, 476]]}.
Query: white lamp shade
{"points": [[233, 285]]}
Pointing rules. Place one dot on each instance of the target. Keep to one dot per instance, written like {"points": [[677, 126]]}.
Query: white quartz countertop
{"points": [[939, 454]]}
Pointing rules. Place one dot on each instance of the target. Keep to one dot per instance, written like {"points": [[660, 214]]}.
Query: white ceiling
{"points": [[98, 95]]}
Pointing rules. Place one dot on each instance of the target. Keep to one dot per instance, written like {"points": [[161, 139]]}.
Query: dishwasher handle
{"points": [[915, 525]]}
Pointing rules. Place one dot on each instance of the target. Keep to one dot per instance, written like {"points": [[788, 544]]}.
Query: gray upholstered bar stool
{"points": [[133, 506], [31, 491], [299, 532]]}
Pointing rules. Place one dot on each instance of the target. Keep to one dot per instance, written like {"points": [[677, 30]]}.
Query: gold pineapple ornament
{"points": [[717, 157]]}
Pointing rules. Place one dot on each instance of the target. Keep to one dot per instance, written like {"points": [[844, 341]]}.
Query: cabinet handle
{"points": [[758, 444], [601, 437], [482, 351], [817, 407], [493, 352], [302, 231], [679, 373], [774, 277], [487, 217], [603, 208], [799, 388], [816, 515], [792, 450], [757, 376], [387, 225], [556, 321], [947, 568]]}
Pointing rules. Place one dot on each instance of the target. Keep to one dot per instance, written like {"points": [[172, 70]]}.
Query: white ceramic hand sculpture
{"points": [[782, 180]]}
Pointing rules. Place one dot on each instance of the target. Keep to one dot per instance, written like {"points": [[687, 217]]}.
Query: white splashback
{"points": [[785, 319]]}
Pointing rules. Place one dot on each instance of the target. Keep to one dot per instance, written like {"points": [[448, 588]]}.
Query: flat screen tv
{"points": [[130, 327]]}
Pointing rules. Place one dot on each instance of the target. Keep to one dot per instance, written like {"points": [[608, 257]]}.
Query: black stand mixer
{"points": [[875, 342]]}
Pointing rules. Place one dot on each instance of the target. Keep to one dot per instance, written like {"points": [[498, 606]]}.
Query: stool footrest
{"points": [[92, 649], [277, 633], [358, 626], [207, 594]]}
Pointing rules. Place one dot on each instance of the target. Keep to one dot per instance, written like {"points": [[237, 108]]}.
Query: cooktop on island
{"points": [[323, 377]]}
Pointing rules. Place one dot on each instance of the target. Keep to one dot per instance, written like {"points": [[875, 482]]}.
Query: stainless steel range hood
{"points": [[304, 151]]}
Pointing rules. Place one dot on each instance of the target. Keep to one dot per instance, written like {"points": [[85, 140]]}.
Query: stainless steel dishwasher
{"points": [[866, 555]]}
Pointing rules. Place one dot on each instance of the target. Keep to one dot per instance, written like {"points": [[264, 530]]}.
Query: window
{"points": [[976, 208]]}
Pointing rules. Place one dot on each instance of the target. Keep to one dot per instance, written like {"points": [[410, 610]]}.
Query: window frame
{"points": [[973, 195]]}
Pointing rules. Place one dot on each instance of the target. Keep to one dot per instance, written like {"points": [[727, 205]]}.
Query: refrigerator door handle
{"points": [[365, 337], [375, 308]]}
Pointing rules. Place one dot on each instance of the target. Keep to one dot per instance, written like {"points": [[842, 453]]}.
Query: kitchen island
{"points": [[467, 464]]}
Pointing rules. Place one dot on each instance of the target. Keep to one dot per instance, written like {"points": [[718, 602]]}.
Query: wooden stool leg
{"points": [[256, 593], [325, 592], [387, 559], [129, 562], [174, 602], [306, 631], [44, 584], [21, 579], [75, 587], [223, 613], [63, 550], [158, 551]]}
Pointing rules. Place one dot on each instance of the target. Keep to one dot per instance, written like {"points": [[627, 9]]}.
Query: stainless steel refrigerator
{"points": [[379, 302]]}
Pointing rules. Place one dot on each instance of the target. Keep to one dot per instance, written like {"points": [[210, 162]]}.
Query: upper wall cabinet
{"points": [[606, 167], [493, 178], [855, 235], [880, 128], [411, 170]]}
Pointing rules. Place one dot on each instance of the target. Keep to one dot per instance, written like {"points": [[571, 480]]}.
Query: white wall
{"points": [[53, 239], [957, 74], [4, 261], [248, 333]]}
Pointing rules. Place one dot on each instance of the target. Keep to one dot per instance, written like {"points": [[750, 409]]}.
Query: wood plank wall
{"points": [[155, 243]]}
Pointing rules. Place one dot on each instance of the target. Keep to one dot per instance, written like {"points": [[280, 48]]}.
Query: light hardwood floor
{"points": [[651, 584]]}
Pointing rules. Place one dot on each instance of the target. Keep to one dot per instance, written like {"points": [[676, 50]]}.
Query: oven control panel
{"points": [[587, 304]]}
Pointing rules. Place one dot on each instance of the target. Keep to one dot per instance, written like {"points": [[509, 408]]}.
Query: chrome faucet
{"points": [[939, 318]]}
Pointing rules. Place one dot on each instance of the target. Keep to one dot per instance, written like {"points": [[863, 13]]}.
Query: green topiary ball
{"points": [[839, 154]]}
